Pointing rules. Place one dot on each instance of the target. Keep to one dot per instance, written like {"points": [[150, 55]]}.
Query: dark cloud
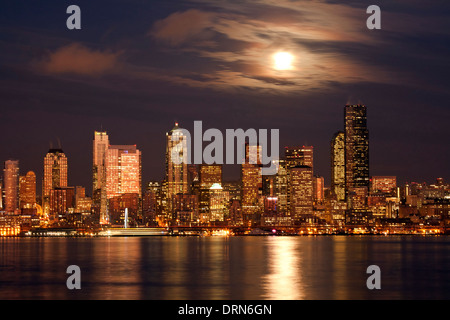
{"points": [[181, 27], [76, 58]]}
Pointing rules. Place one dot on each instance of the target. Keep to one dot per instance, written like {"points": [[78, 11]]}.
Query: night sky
{"points": [[138, 66]]}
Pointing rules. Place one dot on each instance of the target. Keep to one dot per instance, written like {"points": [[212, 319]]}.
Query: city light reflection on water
{"points": [[226, 268]]}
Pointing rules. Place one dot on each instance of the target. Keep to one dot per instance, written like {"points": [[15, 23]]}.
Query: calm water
{"points": [[240, 268]]}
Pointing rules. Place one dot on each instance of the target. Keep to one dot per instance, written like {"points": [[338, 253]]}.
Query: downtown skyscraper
{"points": [[337, 154], [251, 179], [301, 191], [123, 171], [55, 174], [357, 177], [123, 184], [209, 175], [28, 190], [176, 167], [299, 156], [100, 149], [356, 147], [11, 185]]}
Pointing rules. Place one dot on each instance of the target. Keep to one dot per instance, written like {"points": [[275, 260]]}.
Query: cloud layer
{"points": [[239, 41], [76, 58]]}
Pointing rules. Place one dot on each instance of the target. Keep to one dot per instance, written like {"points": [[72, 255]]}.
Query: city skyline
{"points": [[289, 155], [294, 195]]}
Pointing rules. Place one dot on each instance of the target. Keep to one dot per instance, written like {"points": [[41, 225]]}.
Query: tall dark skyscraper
{"points": [[356, 147]]}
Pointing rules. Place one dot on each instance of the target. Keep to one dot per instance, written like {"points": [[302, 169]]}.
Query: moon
{"points": [[283, 60]]}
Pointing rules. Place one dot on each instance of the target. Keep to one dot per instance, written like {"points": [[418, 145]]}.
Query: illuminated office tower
{"points": [[152, 202], [83, 204], [28, 191], [383, 184], [233, 188], [251, 179], [282, 187], [185, 208], [357, 204], [123, 170], [356, 147], [318, 187], [209, 175], [301, 191], [100, 150], [55, 171], [338, 166], [11, 185], [299, 156], [218, 203], [176, 165], [61, 199]]}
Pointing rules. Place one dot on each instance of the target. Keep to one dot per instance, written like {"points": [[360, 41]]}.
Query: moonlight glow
{"points": [[283, 61]]}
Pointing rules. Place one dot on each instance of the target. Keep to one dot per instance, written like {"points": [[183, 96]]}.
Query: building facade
{"points": [[338, 166], [177, 174], [301, 191], [28, 191], [356, 147], [123, 170], [209, 175], [11, 185], [251, 179], [100, 151]]}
